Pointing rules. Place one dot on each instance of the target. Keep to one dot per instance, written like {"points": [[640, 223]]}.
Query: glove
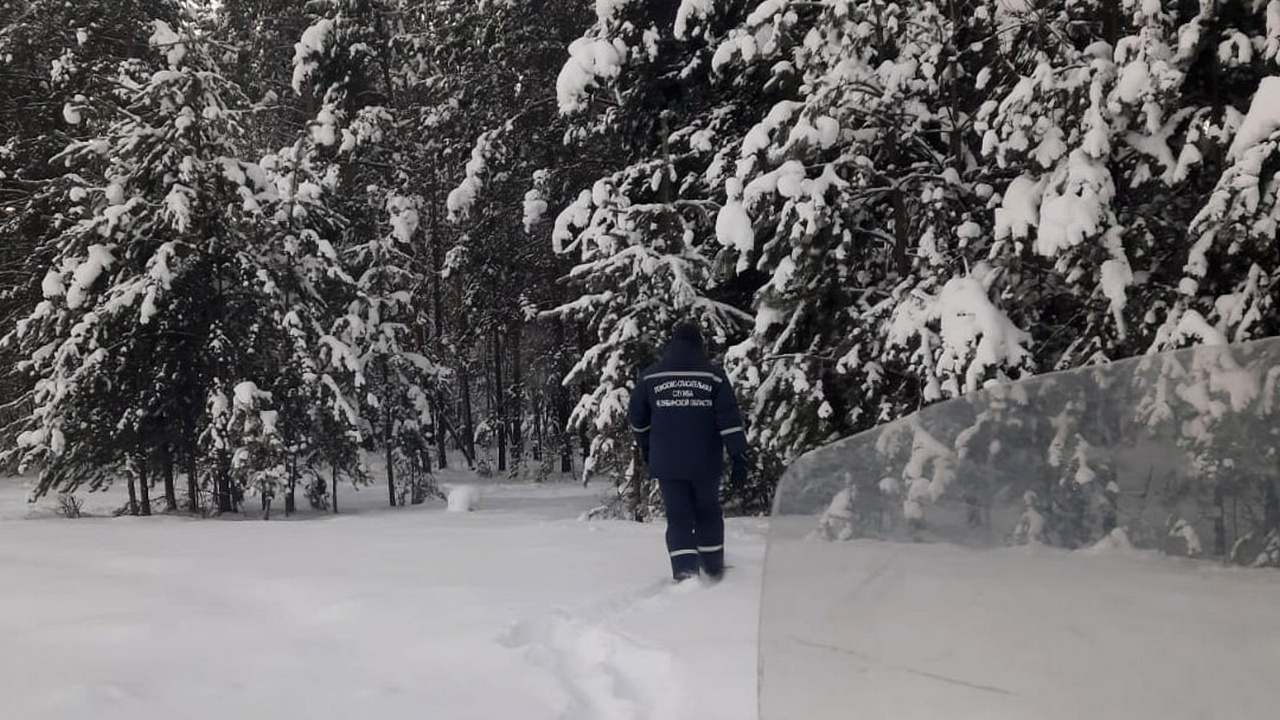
{"points": [[738, 474]]}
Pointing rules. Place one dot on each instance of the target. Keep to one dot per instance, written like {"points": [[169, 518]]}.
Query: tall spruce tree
{"points": [[378, 341], [151, 271]]}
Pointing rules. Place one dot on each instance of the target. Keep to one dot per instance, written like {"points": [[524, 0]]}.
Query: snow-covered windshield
{"points": [[1098, 544]]}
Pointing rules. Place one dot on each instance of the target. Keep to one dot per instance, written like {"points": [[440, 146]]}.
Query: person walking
{"points": [[684, 416]]}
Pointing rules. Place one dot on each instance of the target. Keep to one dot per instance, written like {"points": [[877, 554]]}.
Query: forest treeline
{"points": [[245, 242]]}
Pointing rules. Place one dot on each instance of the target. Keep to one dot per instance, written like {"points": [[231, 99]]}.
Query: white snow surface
{"points": [[404, 217], [1073, 208], [87, 273], [1262, 120], [312, 44], [462, 198], [52, 285], [606, 9], [164, 37], [520, 609], [590, 60], [535, 207], [932, 632], [1019, 209], [689, 11], [733, 224]]}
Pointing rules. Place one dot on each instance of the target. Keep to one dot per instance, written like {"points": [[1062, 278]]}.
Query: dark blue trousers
{"points": [[695, 526]]}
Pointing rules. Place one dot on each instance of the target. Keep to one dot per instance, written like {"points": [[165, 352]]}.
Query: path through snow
{"points": [[516, 610], [635, 655]]}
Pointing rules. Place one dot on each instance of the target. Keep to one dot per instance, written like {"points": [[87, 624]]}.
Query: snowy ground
{"points": [[516, 610], [930, 631], [520, 609]]}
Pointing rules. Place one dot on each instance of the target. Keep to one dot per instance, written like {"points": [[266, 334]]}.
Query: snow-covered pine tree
{"points": [[51, 54], [1091, 131], [1144, 144], [422, 47], [860, 195], [1080, 492], [1040, 441], [1005, 432], [319, 419], [1231, 145], [639, 89], [1065, 143], [151, 293], [500, 61], [377, 339], [1120, 121], [1225, 149], [319, 423], [259, 36], [242, 438], [1213, 407]]}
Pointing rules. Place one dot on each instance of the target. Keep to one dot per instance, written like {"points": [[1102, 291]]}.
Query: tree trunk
{"points": [[499, 402], [290, 499], [452, 431], [562, 429], [420, 468], [221, 374], [170, 492], [333, 486], [583, 440], [1270, 505], [561, 400], [437, 302], [902, 238], [1219, 519], [133, 496], [223, 483], [539, 430], [193, 482], [442, 449], [391, 466], [144, 487], [517, 400], [1111, 22], [468, 444]]}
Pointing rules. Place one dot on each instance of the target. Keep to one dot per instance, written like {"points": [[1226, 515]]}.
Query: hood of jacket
{"points": [[685, 349]]}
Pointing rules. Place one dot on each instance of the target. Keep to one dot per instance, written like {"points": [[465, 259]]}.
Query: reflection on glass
{"points": [[1090, 545]]}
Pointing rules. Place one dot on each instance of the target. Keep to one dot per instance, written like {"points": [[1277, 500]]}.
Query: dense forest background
{"points": [[243, 242]]}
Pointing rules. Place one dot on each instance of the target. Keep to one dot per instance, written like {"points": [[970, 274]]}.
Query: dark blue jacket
{"points": [[685, 416]]}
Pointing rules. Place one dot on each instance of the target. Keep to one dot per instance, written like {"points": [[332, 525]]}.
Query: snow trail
{"points": [[607, 673], [596, 653], [388, 611]]}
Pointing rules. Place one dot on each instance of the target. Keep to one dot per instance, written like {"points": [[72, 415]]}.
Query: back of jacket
{"points": [[685, 416]]}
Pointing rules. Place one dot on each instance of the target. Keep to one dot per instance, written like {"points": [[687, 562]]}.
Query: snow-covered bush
{"points": [[1030, 529], [1186, 532], [69, 506], [1270, 555], [840, 520]]}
